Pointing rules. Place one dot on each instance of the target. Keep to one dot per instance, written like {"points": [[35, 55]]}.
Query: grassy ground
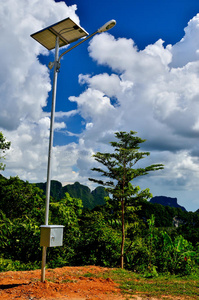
{"points": [[170, 287]]}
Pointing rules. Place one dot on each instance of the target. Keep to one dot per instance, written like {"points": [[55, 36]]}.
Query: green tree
{"points": [[3, 147], [21, 213], [67, 212], [120, 169], [98, 243], [20, 198]]}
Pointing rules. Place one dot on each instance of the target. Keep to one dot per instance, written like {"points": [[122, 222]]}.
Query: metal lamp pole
{"points": [[51, 130], [50, 153], [56, 65]]}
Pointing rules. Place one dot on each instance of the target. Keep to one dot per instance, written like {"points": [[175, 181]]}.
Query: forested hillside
{"points": [[166, 201], [76, 190], [159, 238]]}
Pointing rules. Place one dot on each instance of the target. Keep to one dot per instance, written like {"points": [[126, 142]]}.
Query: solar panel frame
{"points": [[67, 30]]}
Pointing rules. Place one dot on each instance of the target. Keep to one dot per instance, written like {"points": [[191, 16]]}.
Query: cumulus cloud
{"points": [[25, 84], [24, 81], [156, 96], [164, 97], [187, 50], [154, 91]]}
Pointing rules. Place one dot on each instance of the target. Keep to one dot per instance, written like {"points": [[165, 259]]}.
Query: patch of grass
{"points": [[170, 286], [90, 275], [69, 281]]}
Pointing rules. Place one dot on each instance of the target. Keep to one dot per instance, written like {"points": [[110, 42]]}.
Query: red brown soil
{"points": [[67, 283], [61, 283]]}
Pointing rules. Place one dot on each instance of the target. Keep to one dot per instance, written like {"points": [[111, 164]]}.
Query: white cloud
{"points": [[154, 98], [59, 126], [25, 83], [154, 92], [157, 50], [161, 96], [187, 50], [110, 85]]}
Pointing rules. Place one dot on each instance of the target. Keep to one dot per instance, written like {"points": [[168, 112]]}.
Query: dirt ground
{"points": [[61, 283]]}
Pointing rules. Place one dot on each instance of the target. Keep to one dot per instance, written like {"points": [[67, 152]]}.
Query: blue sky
{"points": [[144, 21], [143, 75]]}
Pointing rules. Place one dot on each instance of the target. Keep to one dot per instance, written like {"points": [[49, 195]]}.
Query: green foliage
{"points": [[4, 145], [19, 198], [157, 252], [5, 231], [121, 171], [98, 243], [189, 227], [66, 212], [21, 213], [164, 215], [133, 225], [24, 241], [178, 256], [10, 265], [152, 246], [120, 165]]}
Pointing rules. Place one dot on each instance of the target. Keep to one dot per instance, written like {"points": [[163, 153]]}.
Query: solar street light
{"points": [[56, 36], [67, 31]]}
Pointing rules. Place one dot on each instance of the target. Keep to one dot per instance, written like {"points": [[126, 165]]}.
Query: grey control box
{"points": [[51, 235]]}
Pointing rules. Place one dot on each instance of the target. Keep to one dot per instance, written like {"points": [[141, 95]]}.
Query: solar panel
{"points": [[67, 30]]}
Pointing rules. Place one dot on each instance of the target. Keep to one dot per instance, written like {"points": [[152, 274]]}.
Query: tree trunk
{"points": [[123, 237]]}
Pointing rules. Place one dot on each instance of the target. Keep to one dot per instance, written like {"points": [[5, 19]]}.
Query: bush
{"points": [[157, 252], [98, 244], [10, 265]]}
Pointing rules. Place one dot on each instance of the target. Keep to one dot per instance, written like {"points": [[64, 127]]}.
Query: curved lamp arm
{"points": [[84, 40]]}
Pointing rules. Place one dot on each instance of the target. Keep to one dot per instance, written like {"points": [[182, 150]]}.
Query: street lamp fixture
{"points": [[55, 36], [107, 26]]}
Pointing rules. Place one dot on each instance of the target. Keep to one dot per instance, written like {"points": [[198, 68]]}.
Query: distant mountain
{"points": [[55, 190], [76, 190], [83, 192], [91, 199], [166, 201]]}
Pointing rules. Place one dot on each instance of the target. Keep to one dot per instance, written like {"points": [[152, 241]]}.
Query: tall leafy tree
{"points": [[121, 172], [4, 145]]}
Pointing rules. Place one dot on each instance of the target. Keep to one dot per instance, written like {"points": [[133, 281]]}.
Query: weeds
{"points": [[168, 286]]}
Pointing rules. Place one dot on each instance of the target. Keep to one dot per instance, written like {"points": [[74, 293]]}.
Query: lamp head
{"points": [[107, 26]]}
